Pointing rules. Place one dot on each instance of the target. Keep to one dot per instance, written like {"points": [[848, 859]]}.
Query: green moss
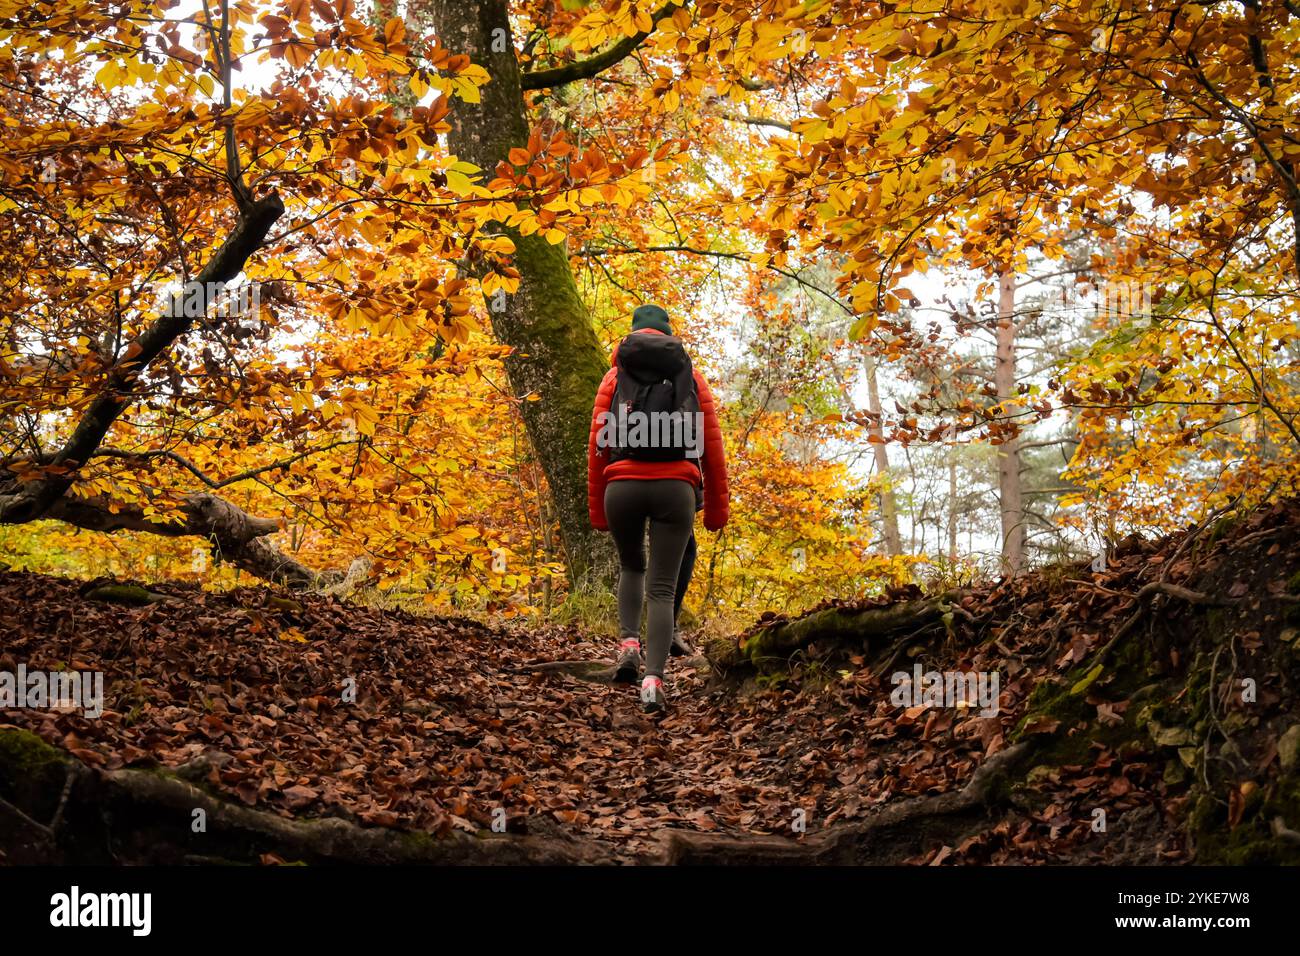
{"points": [[1128, 672], [1080, 687], [1223, 525], [422, 846], [1251, 842], [1052, 701], [1069, 750], [1077, 745], [1126, 675], [22, 752], [31, 772], [558, 356], [1218, 624]]}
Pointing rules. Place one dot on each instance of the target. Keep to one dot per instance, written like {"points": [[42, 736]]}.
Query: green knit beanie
{"points": [[651, 317]]}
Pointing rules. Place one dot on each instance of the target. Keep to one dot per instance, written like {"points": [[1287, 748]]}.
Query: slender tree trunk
{"points": [[888, 504], [1009, 489], [952, 495], [556, 353]]}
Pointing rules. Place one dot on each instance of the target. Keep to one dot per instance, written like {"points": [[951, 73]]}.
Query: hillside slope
{"points": [[1147, 715]]}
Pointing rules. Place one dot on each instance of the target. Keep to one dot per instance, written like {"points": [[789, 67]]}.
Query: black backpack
{"points": [[655, 408]]}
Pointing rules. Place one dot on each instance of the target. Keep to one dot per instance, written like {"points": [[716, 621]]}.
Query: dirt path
{"points": [[308, 707]]}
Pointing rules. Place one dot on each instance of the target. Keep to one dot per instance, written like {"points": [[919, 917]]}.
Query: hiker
{"points": [[655, 444]]}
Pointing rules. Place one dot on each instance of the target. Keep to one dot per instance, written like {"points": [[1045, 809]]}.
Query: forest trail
{"points": [[242, 699]]}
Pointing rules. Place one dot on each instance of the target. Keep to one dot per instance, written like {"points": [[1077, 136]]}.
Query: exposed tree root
{"points": [[598, 672], [1283, 833], [168, 800], [139, 816], [1143, 598], [896, 832], [780, 640]]}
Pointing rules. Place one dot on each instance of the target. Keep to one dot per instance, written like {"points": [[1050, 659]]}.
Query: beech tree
{"points": [[143, 186]]}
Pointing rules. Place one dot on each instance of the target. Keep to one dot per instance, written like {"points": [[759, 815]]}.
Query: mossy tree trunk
{"points": [[556, 352]]}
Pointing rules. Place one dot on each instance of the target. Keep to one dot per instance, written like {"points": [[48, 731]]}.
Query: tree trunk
{"points": [[952, 495], [888, 504], [1009, 490], [556, 353], [239, 537]]}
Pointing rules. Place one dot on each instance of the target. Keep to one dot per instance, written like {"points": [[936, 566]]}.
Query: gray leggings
{"points": [[669, 505]]}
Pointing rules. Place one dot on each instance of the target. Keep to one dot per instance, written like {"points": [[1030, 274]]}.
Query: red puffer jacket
{"points": [[601, 471]]}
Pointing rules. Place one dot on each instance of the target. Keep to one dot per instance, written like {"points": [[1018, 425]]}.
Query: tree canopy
{"points": [[303, 286]]}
